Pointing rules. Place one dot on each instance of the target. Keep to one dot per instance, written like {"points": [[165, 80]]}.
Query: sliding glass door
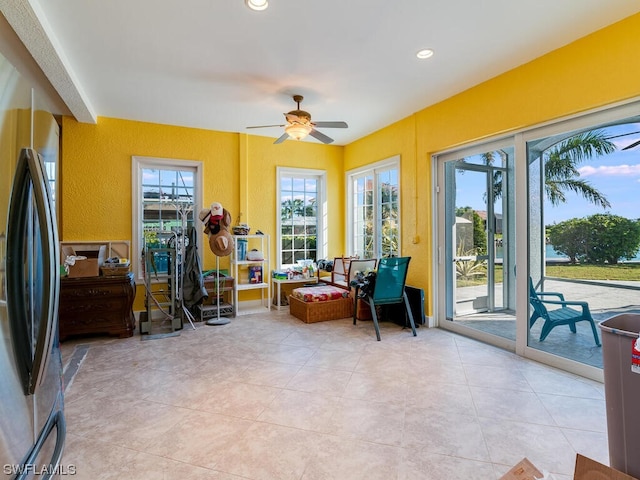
{"points": [[584, 230], [478, 241], [571, 196]]}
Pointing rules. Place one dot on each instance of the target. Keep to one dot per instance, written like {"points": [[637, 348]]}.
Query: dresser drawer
{"points": [[96, 305]]}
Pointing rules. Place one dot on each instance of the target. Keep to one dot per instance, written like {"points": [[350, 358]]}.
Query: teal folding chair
{"points": [[388, 290], [563, 314]]}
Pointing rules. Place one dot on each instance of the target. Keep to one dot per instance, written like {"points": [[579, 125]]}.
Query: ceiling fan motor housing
{"points": [[305, 117]]}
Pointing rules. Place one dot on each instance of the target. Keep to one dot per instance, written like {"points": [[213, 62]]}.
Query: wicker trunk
{"points": [[311, 312]]}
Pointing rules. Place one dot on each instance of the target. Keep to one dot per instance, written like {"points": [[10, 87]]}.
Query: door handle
{"points": [[56, 419], [31, 190]]}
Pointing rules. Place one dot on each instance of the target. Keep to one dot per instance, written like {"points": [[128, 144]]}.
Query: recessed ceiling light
{"points": [[257, 4], [425, 53]]}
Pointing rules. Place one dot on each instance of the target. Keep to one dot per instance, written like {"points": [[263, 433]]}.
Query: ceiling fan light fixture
{"points": [[257, 5], [297, 131], [424, 53]]}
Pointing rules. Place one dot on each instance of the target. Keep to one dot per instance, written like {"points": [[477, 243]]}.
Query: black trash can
{"points": [[622, 390]]}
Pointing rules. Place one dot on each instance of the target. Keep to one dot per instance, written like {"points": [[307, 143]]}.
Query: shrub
{"points": [[600, 238]]}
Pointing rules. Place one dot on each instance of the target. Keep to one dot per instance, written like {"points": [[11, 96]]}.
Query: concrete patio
{"points": [[605, 299]]}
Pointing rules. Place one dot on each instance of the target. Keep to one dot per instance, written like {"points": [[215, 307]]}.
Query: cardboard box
{"points": [[87, 267], [587, 469], [523, 470]]}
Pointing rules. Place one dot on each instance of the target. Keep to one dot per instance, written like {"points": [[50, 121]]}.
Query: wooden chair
{"points": [[363, 266], [340, 272], [563, 315]]}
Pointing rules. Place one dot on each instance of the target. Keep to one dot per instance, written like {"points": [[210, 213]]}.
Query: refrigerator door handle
{"points": [[57, 420], [30, 180]]}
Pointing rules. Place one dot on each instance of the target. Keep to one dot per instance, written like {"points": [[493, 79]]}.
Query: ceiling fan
{"points": [[631, 145], [634, 144], [299, 125]]}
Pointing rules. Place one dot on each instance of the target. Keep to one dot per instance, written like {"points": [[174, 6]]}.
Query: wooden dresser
{"points": [[97, 305]]}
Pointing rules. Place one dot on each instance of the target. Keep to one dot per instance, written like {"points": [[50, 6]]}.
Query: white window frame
{"points": [[372, 169], [138, 164], [321, 177]]}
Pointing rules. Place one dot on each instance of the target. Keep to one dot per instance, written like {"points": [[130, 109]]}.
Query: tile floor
{"points": [[269, 397]]}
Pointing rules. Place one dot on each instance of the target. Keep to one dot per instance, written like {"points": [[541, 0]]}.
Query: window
{"points": [[51, 169], [374, 210], [301, 204], [164, 200]]}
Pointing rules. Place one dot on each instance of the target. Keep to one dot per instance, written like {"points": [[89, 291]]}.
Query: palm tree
{"points": [[561, 167], [290, 208]]}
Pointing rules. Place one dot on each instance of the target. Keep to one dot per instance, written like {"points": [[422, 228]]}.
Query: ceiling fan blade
{"points": [[282, 138], [266, 126], [634, 144], [331, 124], [320, 136]]}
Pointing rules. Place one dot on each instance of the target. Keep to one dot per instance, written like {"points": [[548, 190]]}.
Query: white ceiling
{"points": [[217, 65]]}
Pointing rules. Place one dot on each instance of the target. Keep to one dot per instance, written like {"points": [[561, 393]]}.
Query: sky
{"points": [[617, 176]]}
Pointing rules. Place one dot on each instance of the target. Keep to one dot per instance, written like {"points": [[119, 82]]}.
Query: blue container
{"points": [[242, 248]]}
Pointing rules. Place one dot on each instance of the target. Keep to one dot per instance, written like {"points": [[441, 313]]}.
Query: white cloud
{"points": [[611, 170]]}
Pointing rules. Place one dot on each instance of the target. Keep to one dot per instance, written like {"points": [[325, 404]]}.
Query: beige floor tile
{"points": [[455, 434], [503, 378], [440, 372], [93, 459], [481, 354], [138, 425], [289, 354], [95, 410], [422, 465], [307, 338], [180, 391], [307, 411], [369, 421], [201, 439], [145, 466], [589, 444], [274, 374], [444, 397], [219, 366], [270, 397], [377, 388], [546, 446], [240, 400], [343, 458], [270, 452], [576, 413], [394, 363], [512, 405], [549, 380], [320, 380], [334, 359]]}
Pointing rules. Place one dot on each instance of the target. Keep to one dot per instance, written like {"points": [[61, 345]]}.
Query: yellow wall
{"points": [[594, 71], [262, 158], [597, 70], [239, 172]]}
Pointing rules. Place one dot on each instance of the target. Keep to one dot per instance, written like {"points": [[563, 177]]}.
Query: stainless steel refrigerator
{"points": [[32, 425]]}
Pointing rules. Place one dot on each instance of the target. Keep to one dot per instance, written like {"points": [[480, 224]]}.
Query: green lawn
{"points": [[622, 271]]}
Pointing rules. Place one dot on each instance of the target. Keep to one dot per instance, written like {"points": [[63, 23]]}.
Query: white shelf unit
{"points": [[241, 268]]}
